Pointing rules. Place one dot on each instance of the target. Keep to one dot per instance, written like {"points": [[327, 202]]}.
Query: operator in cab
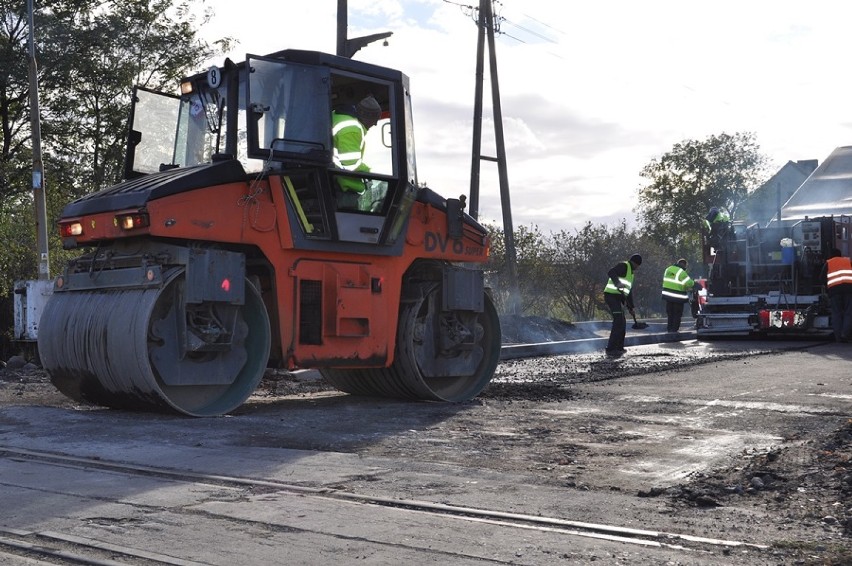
{"points": [[349, 132]]}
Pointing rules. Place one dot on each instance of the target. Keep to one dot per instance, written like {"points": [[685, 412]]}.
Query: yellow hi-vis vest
{"points": [[839, 271], [626, 282], [676, 284]]}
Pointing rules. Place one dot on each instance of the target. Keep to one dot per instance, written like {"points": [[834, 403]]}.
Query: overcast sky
{"points": [[591, 91]]}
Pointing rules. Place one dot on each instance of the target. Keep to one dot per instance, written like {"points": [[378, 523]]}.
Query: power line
{"points": [[503, 33], [529, 31], [467, 8], [498, 19], [559, 31], [459, 4]]}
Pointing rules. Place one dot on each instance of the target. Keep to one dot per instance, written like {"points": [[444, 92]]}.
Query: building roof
{"points": [[827, 192], [764, 203]]}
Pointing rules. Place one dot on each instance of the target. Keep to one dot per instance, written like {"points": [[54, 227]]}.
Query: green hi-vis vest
{"points": [[349, 137], [626, 282], [676, 284]]}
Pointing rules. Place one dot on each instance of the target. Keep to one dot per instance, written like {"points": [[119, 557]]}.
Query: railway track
{"points": [[282, 501], [46, 547], [51, 547]]}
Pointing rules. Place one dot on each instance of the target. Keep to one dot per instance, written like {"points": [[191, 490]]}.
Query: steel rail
{"points": [[86, 551], [613, 533], [21, 557], [64, 549]]}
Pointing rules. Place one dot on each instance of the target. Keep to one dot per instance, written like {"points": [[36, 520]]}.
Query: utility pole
{"points": [[485, 27], [348, 47], [38, 164]]}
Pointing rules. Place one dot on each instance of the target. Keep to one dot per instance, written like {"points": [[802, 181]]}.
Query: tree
{"points": [[90, 54], [582, 259], [15, 152], [96, 51], [534, 264], [690, 179], [563, 275]]}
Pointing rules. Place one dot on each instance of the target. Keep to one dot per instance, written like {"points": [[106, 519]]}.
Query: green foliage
{"points": [[563, 274], [534, 266], [694, 176], [90, 53], [14, 100], [94, 53], [582, 259]]}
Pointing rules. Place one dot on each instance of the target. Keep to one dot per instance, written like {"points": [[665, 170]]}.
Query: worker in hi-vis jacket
{"points": [[677, 287], [618, 293]]}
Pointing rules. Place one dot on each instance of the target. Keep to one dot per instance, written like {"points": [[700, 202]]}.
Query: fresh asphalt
{"points": [[655, 333]]}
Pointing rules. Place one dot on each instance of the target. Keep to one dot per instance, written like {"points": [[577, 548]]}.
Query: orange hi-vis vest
{"points": [[839, 272]]}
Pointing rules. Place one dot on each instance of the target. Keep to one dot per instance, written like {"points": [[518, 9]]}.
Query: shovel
{"points": [[638, 325]]}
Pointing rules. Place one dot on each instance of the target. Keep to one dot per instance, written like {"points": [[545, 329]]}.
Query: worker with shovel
{"points": [[677, 286], [618, 294]]}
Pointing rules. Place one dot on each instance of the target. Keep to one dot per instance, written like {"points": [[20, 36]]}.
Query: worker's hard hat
{"points": [[369, 108], [636, 258], [683, 261]]}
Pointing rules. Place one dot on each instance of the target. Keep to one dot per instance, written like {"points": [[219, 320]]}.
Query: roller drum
{"points": [[103, 347]]}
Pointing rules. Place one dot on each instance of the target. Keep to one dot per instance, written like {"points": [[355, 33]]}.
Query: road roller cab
{"points": [[241, 239]]}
